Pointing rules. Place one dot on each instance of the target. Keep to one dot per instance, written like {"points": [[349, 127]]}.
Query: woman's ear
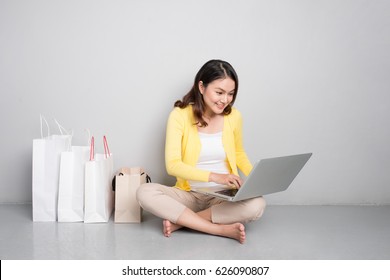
{"points": [[201, 87]]}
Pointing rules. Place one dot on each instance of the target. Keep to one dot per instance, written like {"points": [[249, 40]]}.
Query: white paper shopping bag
{"points": [[99, 196], [45, 174], [71, 184]]}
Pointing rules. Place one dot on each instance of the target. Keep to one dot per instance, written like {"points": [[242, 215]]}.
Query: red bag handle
{"points": [[92, 150], [106, 149]]}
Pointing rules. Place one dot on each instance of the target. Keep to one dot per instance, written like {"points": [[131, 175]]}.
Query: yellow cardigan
{"points": [[182, 147]]}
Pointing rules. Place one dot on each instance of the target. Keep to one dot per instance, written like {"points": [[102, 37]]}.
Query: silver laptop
{"points": [[268, 176]]}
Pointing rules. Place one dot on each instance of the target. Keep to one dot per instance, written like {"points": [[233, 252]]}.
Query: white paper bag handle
{"points": [[47, 125], [62, 129]]}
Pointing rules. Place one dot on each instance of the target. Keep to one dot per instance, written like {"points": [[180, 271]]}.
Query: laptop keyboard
{"points": [[229, 192]]}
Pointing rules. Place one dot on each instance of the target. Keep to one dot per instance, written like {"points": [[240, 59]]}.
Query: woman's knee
{"points": [[255, 208], [242, 211]]}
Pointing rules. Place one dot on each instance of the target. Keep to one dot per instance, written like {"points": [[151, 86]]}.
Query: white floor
{"points": [[284, 233]]}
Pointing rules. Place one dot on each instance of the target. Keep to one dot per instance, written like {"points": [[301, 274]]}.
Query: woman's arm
{"points": [[243, 162], [173, 150]]}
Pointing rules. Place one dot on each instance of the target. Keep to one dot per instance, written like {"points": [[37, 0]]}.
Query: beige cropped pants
{"points": [[170, 202]]}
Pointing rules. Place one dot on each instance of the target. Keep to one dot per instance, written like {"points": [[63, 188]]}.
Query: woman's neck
{"points": [[215, 124]]}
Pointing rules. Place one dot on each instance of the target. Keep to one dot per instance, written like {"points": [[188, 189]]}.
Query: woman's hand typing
{"points": [[226, 179]]}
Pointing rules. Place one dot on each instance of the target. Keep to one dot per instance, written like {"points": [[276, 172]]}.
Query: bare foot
{"points": [[169, 227], [235, 231]]}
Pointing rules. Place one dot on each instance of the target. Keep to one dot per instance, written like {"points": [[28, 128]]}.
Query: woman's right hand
{"points": [[226, 179]]}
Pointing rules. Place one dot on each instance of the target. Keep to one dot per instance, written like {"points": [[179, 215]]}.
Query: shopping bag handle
{"points": [[47, 125], [92, 150], [62, 129], [113, 183], [148, 179], [106, 149]]}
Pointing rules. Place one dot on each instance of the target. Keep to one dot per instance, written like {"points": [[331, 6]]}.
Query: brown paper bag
{"points": [[127, 209]]}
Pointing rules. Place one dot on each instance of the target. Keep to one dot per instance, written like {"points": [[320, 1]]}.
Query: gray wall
{"points": [[314, 78]]}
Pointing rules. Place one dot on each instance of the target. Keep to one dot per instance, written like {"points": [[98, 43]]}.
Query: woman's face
{"points": [[217, 95]]}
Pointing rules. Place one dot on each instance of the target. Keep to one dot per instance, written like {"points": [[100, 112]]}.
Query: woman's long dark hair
{"points": [[212, 70]]}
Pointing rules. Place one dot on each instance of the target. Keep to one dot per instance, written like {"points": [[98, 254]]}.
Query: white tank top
{"points": [[212, 157]]}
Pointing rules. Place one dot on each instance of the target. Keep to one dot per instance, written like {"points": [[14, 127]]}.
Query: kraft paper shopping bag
{"points": [[45, 173], [127, 208], [99, 196]]}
